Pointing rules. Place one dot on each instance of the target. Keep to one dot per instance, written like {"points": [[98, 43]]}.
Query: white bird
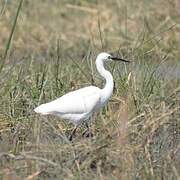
{"points": [[78, 106]]}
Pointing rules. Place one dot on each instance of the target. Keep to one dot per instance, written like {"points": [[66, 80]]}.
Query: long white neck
{"points": [[108, 88]]}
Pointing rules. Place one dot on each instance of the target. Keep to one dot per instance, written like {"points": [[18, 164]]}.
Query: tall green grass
{"points": [[3, 59]]}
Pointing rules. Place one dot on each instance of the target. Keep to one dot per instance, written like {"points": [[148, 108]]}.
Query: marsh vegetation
{"points": [[48, 48]]}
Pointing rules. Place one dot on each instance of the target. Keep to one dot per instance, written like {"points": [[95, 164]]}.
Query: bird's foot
{"points": [[87, 133], [72, 134], [70, 137], [84, 132], [90, 134]]}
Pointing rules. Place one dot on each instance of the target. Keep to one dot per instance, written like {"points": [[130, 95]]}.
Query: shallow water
{"points": [[169, 72]]}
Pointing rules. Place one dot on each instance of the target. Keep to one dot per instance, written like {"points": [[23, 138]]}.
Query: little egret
{"points": [[78, 106]]}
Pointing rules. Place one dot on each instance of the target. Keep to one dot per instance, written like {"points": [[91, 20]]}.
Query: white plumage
{"points": [[77, 106], [73, 106]]}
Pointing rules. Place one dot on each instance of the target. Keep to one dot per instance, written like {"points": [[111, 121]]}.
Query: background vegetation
{"points": [[48, 48]]}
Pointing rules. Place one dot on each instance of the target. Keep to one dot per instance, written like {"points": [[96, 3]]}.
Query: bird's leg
{"points": [[87, 132], [87, 129], [73, 133], [90, 134]]}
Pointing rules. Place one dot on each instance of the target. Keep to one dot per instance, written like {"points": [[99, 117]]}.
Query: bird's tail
{"points": [[43, 109]]}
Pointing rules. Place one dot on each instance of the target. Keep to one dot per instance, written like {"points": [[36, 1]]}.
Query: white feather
{"points": [[73, 105]]}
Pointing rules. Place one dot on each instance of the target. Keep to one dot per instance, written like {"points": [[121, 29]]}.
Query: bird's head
{"points": [[105, 57]]}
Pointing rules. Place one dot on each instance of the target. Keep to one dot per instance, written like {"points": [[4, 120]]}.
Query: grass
{"points": [[51, 50]]}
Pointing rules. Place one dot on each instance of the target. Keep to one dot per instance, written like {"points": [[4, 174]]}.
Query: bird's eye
{"points": [[109, 57]]}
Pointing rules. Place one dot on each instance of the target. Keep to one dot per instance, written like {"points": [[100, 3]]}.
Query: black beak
{"points": [[119, 59]]}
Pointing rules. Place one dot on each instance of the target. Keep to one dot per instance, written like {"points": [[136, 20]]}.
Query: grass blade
{"points": [[10, 36]]}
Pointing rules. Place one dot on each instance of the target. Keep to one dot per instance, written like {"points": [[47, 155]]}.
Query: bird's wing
{"points": [[76, 102]]}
